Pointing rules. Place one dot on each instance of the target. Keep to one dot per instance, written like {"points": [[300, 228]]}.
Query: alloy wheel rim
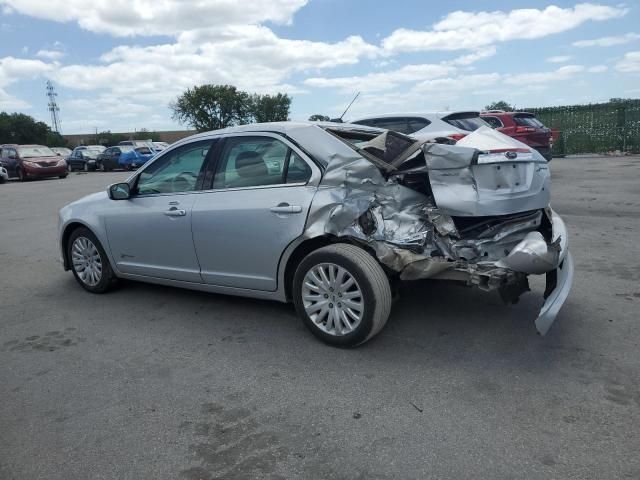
{"points": [[86, 261], [332, 299]]}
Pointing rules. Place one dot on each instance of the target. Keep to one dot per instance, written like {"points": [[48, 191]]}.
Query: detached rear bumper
{"points": [[556, 298]]}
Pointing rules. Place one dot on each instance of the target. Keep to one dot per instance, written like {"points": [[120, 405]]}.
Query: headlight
{"points": [[61, 163]]}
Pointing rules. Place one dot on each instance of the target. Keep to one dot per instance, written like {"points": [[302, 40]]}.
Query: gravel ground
{"points": [[149, 382]]}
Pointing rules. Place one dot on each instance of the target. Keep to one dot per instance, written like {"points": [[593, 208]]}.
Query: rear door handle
{"points": [[175, 212], [286, 208]]}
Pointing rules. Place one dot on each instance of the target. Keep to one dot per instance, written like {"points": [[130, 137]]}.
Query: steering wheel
{"points": [[182, 182]]}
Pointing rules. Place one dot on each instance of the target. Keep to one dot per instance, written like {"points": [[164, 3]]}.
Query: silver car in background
{"points": [[328, 216]]}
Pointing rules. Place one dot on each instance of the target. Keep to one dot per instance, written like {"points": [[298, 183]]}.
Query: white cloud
{"points": [[630, 63], [597, 69], [471, 30], [10, 103], [479, 54], [374, 82], [14, 69], [608, 41], [152, 17], [50, 54], [559, 59], [563, 73]]}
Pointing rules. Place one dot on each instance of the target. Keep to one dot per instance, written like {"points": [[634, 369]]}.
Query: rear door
{"points": [[256, 205]]}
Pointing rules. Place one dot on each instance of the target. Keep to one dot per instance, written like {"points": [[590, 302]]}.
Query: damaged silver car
{"points": [[328, 216]]}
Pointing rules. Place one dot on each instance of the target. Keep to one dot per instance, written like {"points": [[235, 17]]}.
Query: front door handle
{"points": [[175, 212], [286, 208]]}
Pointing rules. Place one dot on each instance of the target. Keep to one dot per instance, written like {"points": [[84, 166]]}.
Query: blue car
{"points": [[136, 157]]}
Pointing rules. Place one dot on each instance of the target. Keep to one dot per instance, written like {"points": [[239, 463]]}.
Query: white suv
{"points": [[427, 126]]}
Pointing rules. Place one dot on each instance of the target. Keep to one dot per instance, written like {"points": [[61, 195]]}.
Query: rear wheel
{"points": [[342, 294], [86, 167], [89, 262], [63, 176]]}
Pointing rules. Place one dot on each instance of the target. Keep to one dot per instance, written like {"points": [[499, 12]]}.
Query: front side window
{"points": [[177, 171], [527, 121], [256, 161], [416, 124]]}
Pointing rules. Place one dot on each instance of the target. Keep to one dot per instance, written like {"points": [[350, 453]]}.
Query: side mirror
{"points": [[119, 191]]}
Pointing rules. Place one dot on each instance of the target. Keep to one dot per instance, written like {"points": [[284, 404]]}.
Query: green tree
{"points": [[210, 107], [144, 134], [20, 128], [270, 108], [109, 139], [316, 117], [500, 105]]}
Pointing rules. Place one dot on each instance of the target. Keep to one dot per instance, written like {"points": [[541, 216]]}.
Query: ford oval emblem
{"points": [[511, 155]]}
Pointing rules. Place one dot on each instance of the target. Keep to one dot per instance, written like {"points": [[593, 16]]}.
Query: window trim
{"points": [[135, 178], [484, 117], [314, 179]]}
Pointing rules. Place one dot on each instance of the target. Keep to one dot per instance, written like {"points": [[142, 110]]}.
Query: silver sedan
{"points": [[331, 217]]}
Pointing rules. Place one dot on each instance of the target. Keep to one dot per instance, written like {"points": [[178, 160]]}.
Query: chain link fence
{"points": [[593, 128]]}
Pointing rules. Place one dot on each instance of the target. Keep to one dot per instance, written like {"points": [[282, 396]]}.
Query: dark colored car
{"points": [[109, 159], [32, 161], [84, 157], [522, 126]]}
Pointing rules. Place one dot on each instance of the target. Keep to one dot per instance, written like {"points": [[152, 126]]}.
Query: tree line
{"points": [[24, 129]]}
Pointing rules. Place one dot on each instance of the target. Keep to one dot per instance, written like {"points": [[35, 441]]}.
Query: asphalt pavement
{"points": [[150, 382]]}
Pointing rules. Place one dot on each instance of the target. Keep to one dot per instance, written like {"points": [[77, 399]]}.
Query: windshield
{"points": [[35, 151], [61, 150], [469, 121]]}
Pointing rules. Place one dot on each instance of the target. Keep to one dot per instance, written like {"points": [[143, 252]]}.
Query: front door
{"points": [[257, 206], [150, 233]]}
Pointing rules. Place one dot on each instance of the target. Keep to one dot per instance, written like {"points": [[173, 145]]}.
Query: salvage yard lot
{"points": [[153, 382]]}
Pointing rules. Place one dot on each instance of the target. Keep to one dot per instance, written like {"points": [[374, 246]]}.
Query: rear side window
{"points": [[258, 161], [494, 122], [468, 121], [527, 121], [416, 124]]}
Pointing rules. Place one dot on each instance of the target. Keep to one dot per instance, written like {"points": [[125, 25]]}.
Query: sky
{"points": [[118, 64]]}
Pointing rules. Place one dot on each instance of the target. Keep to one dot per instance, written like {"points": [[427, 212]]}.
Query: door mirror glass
{"points": [[119, 191]]}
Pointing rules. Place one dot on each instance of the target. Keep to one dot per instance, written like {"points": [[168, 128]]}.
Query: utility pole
{"points": [[53, 107]]}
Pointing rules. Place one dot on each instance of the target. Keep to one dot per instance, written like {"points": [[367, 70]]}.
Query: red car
{"points": [[32, 161], [522, 126]]}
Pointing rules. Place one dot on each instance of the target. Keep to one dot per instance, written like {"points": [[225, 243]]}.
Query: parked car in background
{"points": [[31, 161], [427, 125], [84, 157], [136, 157], [522, 126], [61, 151], [137, 143], [110, 158], [4, 175], [328, 216], [159, 146]]}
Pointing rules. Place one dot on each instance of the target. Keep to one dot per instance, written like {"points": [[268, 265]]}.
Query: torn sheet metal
{"points": [[410, 225]]}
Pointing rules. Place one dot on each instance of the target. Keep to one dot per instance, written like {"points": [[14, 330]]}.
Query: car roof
{"points": [[506, 113], [416, 114]]}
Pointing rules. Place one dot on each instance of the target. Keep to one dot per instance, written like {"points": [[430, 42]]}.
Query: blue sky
{"points": [[117, 64]]}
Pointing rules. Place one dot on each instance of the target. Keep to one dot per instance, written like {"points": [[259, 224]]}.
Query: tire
{"points": [[62, 177], [107, 278], [69, 167], [102, 168], [370, 286], [86, 167], [21, 176]]}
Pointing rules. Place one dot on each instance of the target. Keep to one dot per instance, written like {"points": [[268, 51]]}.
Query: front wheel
{"points": [[342, 295], [89, 262], [21, 175]]}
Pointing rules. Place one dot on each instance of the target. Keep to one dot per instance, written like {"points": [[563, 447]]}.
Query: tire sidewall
{"points": [[107, 274], [361, 333]]}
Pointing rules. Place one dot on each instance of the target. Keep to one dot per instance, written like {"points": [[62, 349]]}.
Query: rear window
{"points": [[528, 121], [406, 125], [494, 122], [468, 121]]}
